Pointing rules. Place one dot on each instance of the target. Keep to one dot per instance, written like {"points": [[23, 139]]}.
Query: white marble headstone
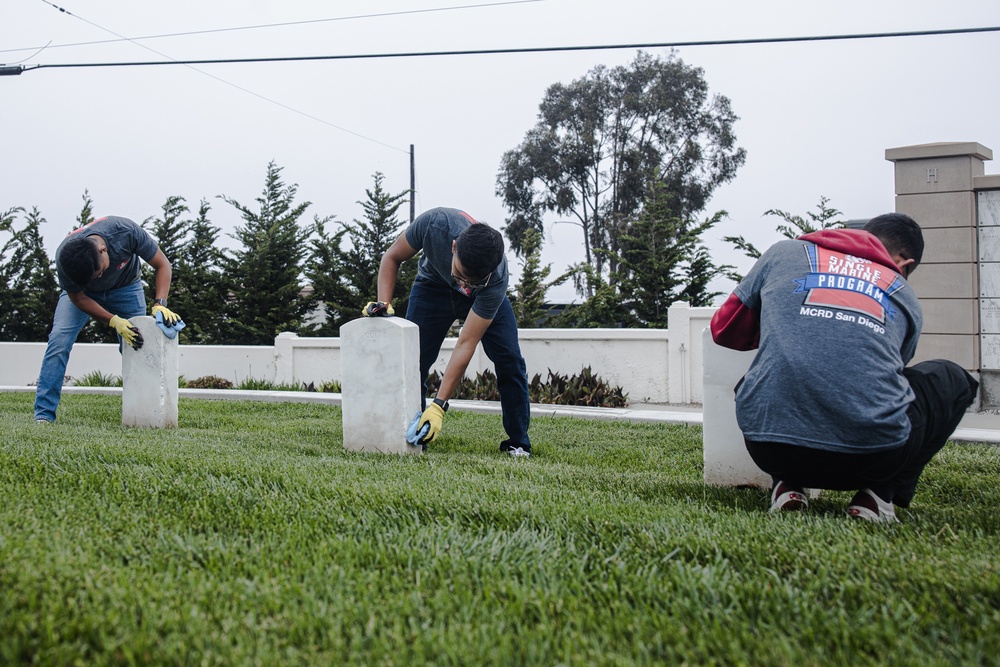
{"points": [[149, 378], [727, 462], [380, 378]]}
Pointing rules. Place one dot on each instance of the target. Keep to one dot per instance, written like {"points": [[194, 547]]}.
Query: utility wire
{"points": [[276, 25], [538, 49], [33, 54], [221, 80]]}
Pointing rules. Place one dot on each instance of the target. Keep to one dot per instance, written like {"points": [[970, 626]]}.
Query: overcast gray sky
{"points": [[815, 117]]}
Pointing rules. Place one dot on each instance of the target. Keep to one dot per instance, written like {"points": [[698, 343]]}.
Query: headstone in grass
{"points": [[380, 376], [149, 378], [727, 462]]}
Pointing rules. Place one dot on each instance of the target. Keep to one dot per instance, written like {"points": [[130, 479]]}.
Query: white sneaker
{"points": [[518, 452], [788, 498], [868, 506]]}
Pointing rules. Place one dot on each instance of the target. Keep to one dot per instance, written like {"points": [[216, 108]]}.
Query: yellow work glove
{"points": [[378, 309], [128, 332], [434, 417], [170, 318]]}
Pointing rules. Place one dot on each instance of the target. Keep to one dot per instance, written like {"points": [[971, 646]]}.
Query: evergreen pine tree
{"points": [[7, 219], [662, 260], [345, 279], [169, 232], [87, 212], [602, 309], [28, 281], [265, 272], [199, 291], [701, 270], [371, 238], [325, 271], [528, 299]]}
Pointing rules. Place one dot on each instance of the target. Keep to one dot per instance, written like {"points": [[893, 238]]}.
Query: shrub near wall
{"points": [[259, 384], [584, 388]]}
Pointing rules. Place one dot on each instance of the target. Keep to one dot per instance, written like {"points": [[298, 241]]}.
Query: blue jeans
{"points": [[128, 301], [434, 307]]}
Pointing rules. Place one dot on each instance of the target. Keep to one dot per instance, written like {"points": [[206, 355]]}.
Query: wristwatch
{"points": [[441, 404], [162, 302]]}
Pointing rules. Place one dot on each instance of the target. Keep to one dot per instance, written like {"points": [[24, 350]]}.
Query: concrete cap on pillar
{"points": [[939, 149]]}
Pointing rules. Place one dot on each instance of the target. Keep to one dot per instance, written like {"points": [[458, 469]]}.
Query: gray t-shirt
{"points": [[836, 331], [126, 242], [433, 232]]}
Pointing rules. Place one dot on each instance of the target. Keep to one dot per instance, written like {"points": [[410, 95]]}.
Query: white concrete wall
{"points": [[232, 362], [651, 365], [20, 362], [635, 359]]}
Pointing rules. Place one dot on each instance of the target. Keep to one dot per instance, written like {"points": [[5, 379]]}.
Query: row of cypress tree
{"points": [[240, 296]]}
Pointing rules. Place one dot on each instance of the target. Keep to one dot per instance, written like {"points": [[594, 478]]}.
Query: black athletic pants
{"points": [[943, 392]]}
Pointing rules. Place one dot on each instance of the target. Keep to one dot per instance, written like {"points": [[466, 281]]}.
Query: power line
{"points": [[539, 49], [219, 79], [271, 25]]}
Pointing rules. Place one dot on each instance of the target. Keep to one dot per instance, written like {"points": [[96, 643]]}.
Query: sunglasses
{"points": [[473, 285]]}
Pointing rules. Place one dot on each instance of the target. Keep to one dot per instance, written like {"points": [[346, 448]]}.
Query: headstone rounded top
{"points": [[369, 323]]}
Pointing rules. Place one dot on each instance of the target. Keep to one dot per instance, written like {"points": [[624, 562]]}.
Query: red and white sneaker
{"points": [[868, 506], [788, 498]]}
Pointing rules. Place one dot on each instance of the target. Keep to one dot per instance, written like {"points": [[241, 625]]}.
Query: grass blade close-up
{"points": [[249, 536]]}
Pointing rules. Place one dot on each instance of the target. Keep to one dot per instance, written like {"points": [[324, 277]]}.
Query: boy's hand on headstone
{"points": [[128, 332], [414, 434], [170, 318], [433, 417], [378, 309]]}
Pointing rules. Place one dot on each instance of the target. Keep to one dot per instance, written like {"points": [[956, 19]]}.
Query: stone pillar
{"points": [[149, 378], [284, 357], [935, 186], [679, 353], [727, 462], [381, 383]]}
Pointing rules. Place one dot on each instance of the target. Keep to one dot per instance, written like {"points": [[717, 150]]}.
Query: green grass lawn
{"points": [[248, 536]]}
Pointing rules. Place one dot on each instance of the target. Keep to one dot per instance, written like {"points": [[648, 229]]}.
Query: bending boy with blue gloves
{"points": [[98, 269], [462, 275]]}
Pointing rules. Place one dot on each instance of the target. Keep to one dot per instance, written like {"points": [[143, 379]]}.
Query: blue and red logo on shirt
{"points": [[842, 281]]}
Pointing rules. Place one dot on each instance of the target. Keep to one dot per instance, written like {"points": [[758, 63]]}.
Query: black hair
{"points": [[79, 259], [480, 249], [900, 235]]}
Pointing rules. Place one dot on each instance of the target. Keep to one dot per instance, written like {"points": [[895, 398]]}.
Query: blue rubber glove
{"points": [[170, 318], [170, 331], [414, 434], [430, 423]]}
